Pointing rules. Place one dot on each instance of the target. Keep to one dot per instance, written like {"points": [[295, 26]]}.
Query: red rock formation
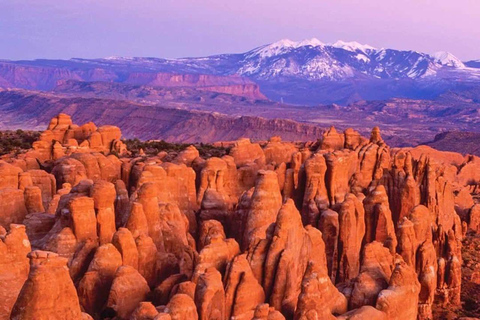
{"points": [[427, 268], [242, 291], [353, 139], [378, 219], [375, 272], [13, 206], [217, 253], [264, 205], [210, 295], [84, 222], [319, 298], [316, 196], [125, 244], [373, 158], [47, 184], [14, 267], [128, 289], [94, 288], [180, 307], [69, 170], [9, 175], [49, 292], [137, 221], [329, 226], [122, 204], [352, 230], [147, 260], [400, 300], [244, 152], [365, 312], [264, 312], [277, 151], [33, 199], [286, 260], [340, 168], [271, 231], [103, 194], [217, 192], [144, 311], [463, 203], [474, 218], [332, 140]]}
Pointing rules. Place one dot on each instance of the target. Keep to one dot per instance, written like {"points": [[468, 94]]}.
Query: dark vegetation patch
{"points": [[17, 141], [153, 147]]}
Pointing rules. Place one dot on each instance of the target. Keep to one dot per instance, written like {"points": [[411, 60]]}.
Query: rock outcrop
{"points": [[49, 292], [341, 228], [14, 267]]}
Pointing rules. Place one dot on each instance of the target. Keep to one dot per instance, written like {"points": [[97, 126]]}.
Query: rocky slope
{"points": [[404, 122], [344, 228], [32, 110], [463, 142]]}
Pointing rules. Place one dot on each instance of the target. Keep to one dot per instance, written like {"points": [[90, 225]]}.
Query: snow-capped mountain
{"points": [[353, 46], [447, 59], [308, 60], [314, 60], [308, 71]]}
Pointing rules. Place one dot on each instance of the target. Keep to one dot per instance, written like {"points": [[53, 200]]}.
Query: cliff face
{"points": [[249, 90], [36, 77], [45, 78], [344, 228], [33, 109]]}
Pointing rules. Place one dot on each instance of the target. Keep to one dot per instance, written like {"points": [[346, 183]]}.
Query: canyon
{"points": [[336, 225]]}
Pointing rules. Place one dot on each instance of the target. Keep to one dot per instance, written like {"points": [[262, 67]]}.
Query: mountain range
{"points": [[307, 72], [287, 88]]}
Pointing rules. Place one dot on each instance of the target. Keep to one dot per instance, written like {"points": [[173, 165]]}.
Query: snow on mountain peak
{"points": [[314, 42], [275, 48], [447, 59], [353, 46], [117, 58], [284, 45], [287, 43]]}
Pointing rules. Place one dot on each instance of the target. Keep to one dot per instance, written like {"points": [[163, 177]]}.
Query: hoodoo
{"points": [[341, 228]]}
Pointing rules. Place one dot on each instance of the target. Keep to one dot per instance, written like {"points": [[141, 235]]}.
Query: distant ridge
{"points": [[299, 72]]}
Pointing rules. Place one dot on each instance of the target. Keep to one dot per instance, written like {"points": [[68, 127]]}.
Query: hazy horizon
{"points": [[186, 28]]}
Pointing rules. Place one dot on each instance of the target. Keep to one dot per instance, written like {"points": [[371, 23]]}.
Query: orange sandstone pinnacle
{"points": [[341, 228]]}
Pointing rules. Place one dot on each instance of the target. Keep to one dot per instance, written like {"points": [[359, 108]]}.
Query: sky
{"points": [[61, 29]]}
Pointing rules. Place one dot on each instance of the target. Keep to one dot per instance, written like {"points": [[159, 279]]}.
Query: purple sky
{"points": [[176, 28]]}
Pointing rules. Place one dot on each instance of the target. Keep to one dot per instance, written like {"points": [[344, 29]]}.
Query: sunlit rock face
{"points": [[342, 228]]}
